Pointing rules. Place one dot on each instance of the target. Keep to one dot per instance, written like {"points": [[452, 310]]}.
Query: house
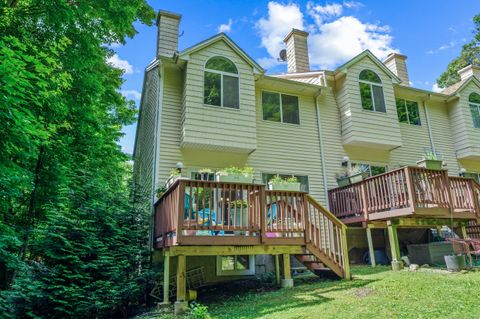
{"points": [[212, 106]]}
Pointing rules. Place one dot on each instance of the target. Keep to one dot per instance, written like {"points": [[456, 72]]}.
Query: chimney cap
{"points": [[468, 68], [297, 32], [165, 13], [395, 55]]}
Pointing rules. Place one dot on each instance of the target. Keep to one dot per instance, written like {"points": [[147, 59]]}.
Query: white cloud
{"points": [[117, 62], [273, 29], [320, 13], [132, 94], [226, 27], [435, 88], [333, 39]]}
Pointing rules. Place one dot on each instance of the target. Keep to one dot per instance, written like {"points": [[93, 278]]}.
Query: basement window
{"points": [[280, 108], [371, 91], [408, 112], [236, 265], [221, 87], [474, 101]]}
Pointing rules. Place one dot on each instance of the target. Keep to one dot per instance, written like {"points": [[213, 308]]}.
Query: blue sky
{"points": [[338, 31]]}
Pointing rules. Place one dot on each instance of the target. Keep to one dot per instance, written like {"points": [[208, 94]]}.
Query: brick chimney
{"points": [[469, 71], [297, 51], [396, 63], [167, 38]]}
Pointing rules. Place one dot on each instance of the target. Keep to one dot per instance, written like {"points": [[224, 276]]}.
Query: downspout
{"points": [[156, 156], [322, 153], [427, 117]]}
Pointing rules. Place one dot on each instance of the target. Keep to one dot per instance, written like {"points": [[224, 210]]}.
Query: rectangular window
{"points": [[235, 265], [378, 99], [280, 108], [213, 85], [202, 176], [372, 170], [475, 110], [366, 96], [408, 112], [230, 92], [303, 180]]}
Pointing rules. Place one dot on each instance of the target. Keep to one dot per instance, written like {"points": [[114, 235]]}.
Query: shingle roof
{"points": [[453, 88]]}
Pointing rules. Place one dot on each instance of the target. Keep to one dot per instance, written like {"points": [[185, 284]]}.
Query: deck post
{"points": [[371, 249], [166, 277], [394, 246], [181, 305], [464, 231], [287, 281], [277, 270]]}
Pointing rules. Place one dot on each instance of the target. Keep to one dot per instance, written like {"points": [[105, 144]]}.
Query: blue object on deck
{"points": [[272, 212], [380, 257]]}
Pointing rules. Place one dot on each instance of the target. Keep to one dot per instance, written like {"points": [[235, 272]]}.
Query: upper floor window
{"points": [[474, 101], [408, 112], [221, 83], [371, 91], [280, 107]]}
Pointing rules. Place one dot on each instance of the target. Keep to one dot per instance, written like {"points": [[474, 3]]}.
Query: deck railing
{"points": [[216, 213], [403, 191]]}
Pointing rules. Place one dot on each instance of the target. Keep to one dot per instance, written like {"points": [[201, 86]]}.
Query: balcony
{"points": [[202, 213], [407, 192]]}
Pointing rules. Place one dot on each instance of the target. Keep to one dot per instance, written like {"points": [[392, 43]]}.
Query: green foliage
{"points": [[199, 311], [470, 54], [277, 179], [73, 241], [233, 170]]}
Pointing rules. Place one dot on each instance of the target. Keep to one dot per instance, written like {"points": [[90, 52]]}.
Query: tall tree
{"points": [[470, 54], [71, 244]]}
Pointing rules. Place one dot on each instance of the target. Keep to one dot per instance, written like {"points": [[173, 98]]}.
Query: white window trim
{"points": [[222, 73], [478, 107], [248, 272], [281, 108], [371, 92], [408, 116]]}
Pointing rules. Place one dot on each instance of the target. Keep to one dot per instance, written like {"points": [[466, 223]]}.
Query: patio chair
{"points": [[461, 247], [475, 242]]}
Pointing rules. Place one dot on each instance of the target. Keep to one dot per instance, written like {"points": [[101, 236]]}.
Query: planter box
{"points": [[344, 181], [430, 164], [293, 187], [234, 178]]}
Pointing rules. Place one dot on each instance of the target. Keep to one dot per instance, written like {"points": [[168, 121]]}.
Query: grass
{"points": [[373, 293]]}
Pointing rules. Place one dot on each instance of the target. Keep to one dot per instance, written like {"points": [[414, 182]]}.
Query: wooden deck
{"points": [[202, 213], [407, 192]]}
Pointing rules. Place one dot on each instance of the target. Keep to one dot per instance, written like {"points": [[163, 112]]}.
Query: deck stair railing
{"points": [[404, 190], [216, 213]]}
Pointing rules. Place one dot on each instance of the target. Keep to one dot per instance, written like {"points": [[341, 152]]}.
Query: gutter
{"points": [[322, 153], [427, 117]]}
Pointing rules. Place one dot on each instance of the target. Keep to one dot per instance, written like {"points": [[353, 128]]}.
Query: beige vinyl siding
{"points": [[218, 128], [467, 140], [145, 140], [285, 148], [361, 127], [170, 125], [167, 37], [443, 135]]}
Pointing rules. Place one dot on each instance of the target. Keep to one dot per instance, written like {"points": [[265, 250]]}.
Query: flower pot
{"points": [[455, 263], [292, 187], [430, 164], [343, 181], [234, 178]]}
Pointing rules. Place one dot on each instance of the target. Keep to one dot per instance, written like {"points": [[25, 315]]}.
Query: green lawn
{"points": [[373, 293]]}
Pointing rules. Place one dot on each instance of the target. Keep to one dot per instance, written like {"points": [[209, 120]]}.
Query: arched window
{"points": [[221, 83], [474, 101], [371, 91]]}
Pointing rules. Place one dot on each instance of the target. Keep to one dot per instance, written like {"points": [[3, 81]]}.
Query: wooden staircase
{"points": [[326, 242]]}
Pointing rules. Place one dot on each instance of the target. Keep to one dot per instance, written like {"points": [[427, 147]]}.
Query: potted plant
{"points": [[284, 184], [343, 179], [204, 174], [431, 160], [358, 174], [160, 191], [235, 174], [174, 175]]}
